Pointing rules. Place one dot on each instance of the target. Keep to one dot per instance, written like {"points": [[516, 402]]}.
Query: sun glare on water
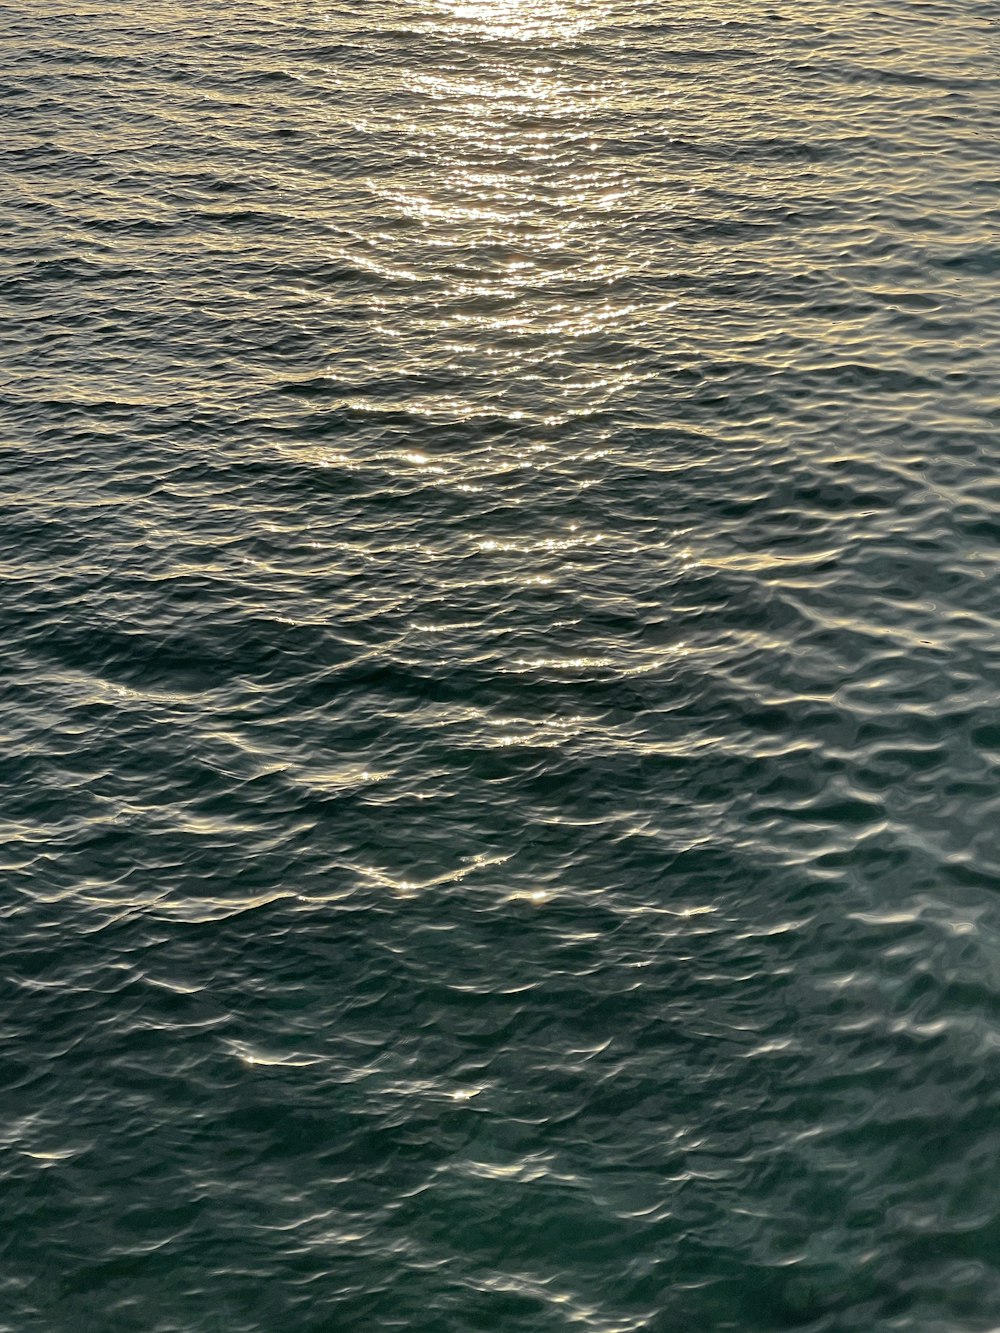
{"points": [[517, 20]]}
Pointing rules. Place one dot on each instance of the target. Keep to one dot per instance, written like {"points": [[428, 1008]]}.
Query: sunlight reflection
{"points": [[517, 20]]}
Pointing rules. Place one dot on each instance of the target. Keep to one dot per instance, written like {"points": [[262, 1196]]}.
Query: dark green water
{"points": [[501, 632]]}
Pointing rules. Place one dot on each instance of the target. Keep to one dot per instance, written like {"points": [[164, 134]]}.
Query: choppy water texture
{"points": [[501, 526]]}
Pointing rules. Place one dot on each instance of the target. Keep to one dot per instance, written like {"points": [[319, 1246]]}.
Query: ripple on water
{"points": [[500, 736]]}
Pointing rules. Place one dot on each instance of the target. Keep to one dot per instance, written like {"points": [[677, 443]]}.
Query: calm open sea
{"points": [[500, 539]]}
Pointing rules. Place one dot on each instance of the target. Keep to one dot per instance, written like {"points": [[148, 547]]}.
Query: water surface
{"points": [[500, 547]]}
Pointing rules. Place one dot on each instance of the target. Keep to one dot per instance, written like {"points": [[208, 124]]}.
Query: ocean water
{"points": [[501, 631]]}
